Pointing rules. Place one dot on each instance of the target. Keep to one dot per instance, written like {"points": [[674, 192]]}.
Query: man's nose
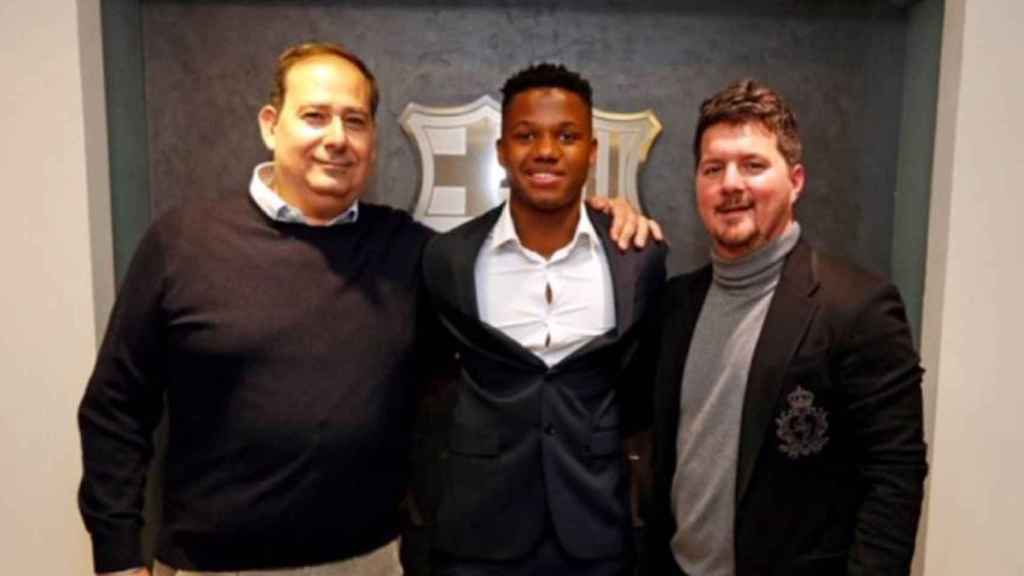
{"points": [[546, 148], [334, 135], [731, 177]]}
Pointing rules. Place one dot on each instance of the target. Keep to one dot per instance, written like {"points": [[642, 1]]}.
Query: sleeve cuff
{"points": [[116, 551]]}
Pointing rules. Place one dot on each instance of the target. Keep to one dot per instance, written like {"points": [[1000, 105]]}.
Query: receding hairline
{"points": [[300, 54], [367, 87]]}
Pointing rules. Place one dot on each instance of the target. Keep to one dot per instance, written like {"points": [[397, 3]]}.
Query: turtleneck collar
{"points": [[759, 269]]}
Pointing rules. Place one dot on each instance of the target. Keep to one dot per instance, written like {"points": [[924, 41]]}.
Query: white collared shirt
{"points": [[512, 290], [277, 209]]}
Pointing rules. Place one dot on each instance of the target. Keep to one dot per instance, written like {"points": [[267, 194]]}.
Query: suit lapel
{"points": [[624, 277], [464, 249], [462, 246], [785, 324]]}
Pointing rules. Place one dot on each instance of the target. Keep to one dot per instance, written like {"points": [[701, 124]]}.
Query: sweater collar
{"points": [[760, 268]]}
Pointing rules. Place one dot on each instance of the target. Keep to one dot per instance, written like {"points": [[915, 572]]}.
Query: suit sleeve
{"points": [[435, 346], [122, 405], [880, 371]]}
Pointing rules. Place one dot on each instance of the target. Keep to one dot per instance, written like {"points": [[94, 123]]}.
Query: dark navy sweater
{"points": [[285, 356]]}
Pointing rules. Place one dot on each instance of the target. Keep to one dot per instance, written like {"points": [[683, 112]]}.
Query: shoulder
{"points": [[651, 256], [470, 234], [857, 302], [844, 284], [392, 221], [685, 285], [199, 215]]}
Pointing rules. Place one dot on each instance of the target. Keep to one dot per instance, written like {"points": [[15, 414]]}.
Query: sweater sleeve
{"points": [[121, 407]]}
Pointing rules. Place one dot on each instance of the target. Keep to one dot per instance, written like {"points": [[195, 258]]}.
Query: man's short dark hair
{"points": [[545, 75], [300, 52], [750, 101]]}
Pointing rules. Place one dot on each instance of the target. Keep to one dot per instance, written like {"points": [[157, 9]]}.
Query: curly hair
{"points": [[750, 101]]}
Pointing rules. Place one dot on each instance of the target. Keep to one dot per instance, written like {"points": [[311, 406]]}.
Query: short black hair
{"points": [[545, 75]]}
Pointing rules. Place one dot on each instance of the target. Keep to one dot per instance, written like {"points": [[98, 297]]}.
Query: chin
{"points": [[549, 201]]}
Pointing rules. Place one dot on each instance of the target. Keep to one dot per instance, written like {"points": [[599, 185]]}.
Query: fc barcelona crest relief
{"points": [[460, 174], [803, 429]]}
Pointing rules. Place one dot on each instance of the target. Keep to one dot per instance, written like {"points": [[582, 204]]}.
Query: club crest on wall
{"points": [[460, 177]]}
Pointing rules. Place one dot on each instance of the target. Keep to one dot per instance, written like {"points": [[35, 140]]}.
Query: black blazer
{"points": [[826, 484], [531, 446]]}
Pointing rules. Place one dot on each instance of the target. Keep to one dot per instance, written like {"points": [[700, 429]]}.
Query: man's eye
{"points": [[755, 166], [314, 116], [710, 169], [356, 122], [523, 136], [568, 137]]}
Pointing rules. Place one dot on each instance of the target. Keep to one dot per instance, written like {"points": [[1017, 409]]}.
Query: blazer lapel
{"points": [[458, 289], [789, 315], [624, 277], [464, 248]]}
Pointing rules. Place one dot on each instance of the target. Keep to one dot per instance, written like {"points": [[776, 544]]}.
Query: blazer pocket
{"points": [[473, 442]]}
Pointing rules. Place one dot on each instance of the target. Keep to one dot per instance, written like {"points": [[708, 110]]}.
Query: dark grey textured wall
{"points": [[208, 68]]}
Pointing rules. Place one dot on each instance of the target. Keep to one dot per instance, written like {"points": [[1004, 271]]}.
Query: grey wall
{"points": [[917, 137], [208, 68]]}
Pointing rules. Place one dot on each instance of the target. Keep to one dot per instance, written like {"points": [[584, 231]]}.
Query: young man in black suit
{"points": [[788, 420], [546, 314]]}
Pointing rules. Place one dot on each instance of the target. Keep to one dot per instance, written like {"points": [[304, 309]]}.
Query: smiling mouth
{"points": [[335, 165], [733, 209], [544, 178]]}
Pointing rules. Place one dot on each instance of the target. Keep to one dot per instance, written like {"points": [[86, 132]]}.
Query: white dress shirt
{"points": [[552, 307], [262, 192]]}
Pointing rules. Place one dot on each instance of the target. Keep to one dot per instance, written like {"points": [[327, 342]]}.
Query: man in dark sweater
{"points": [[281, 333], [788, 420]]}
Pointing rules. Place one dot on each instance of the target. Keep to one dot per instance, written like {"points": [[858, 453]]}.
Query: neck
{"points": [[542, 231]]}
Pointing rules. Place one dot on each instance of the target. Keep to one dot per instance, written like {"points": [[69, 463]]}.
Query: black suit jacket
{"points": [[831, 453], [532, 446]]}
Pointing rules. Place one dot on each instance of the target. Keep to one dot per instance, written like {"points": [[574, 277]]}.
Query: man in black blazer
{"points": [[788, 420], [545, 312]]}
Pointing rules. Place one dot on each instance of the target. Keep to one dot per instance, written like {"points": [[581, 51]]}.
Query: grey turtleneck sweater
{"points": [[711, 406]]}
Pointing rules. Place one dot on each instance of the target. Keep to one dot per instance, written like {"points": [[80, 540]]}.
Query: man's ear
{"points": [[593, 151], [499, 145], [268, 122], [796, 181]]}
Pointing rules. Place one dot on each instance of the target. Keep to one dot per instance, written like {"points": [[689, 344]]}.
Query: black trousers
{"points": [[548, 558]]}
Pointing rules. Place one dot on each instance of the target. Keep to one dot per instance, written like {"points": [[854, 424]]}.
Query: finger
{"points": [[656, 230], [628, 231], [616, 213], [643, 228], [599, 203]]}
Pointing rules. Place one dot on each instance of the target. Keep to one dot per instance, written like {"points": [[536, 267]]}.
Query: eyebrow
{"points": [[328, 106]]}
